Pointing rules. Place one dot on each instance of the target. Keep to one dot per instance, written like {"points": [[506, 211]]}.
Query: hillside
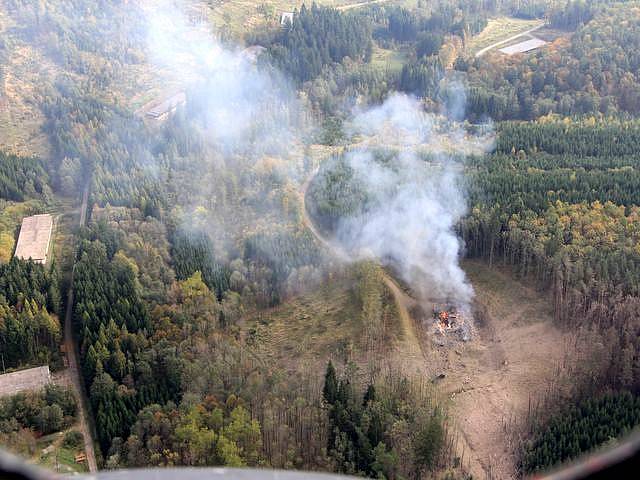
{"points": [[369, 241]]}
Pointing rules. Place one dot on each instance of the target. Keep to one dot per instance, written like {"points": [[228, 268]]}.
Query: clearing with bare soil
{"points": [[510, 361]]}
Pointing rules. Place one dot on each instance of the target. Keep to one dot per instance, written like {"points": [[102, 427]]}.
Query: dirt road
{"points": [[72, 357], [490, 380], [412, 345], [358, 5], [506, 40]]}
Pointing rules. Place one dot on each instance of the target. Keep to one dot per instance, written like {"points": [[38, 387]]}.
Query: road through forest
{"points": [[358, 5], [511, 359], [72, 356], [413, 346]]}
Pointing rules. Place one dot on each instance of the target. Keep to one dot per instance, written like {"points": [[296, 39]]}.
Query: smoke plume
{"points": [[417, 200], [246, 109]]}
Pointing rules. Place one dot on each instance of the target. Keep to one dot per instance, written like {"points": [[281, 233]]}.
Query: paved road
{"points": [[72, 356], [514, 37]]}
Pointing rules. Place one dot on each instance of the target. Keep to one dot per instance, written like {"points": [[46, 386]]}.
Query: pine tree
{"points": [[330, 390]]}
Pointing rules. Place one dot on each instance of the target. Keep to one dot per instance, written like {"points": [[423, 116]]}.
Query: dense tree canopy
{"points": [[22, 178], [580, 429], [596, 71], [318, 37], [29, 298]]}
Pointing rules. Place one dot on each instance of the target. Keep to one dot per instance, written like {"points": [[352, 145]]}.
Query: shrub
{"points": [[72, 439]]}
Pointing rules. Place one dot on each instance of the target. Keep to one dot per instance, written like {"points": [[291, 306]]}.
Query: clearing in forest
{"points": [[388, 59], [510, 361], [305, 331], [410, 355], [239, 15], [498, 31], [22, 69]]}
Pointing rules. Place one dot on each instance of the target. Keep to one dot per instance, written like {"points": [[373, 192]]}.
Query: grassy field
{"points": [[52, 455], [238, 16], [498, 29], [312, 328], [391, 60], [62, 244]]}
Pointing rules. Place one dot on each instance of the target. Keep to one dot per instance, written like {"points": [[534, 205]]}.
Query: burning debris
{"points": [[446, 322], [448, 318]]}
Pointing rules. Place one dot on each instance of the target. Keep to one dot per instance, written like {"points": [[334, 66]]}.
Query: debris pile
{"points": [[448, 319]]}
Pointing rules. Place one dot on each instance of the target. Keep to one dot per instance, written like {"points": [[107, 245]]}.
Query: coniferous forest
{"points": [[221, 308]]}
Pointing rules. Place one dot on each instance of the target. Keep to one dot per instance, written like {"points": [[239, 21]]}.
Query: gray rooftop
{"points": [[34, 238], [166, 106], [22, 380]]}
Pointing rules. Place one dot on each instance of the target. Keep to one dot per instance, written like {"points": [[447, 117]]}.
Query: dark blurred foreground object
{"points": [[619, 462]]}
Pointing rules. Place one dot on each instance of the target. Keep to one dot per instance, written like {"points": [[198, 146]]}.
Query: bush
{"points": [[51, 419], [72, 439], [64, 397]]}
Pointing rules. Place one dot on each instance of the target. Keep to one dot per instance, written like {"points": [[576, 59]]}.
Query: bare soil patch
{"points": [[510, 361]]}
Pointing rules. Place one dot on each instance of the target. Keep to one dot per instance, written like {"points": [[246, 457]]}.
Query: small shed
{"points": [[286, 17]]}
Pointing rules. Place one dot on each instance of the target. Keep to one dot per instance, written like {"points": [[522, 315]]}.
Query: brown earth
{"points": [[491, 380], [510, 362]]}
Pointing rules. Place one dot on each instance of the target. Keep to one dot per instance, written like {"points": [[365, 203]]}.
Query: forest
{"points": [[582, 428], [319, 37], [595, 73], [557, 203], [214, 327], [30, 331], [22, 178], [25, 416]]}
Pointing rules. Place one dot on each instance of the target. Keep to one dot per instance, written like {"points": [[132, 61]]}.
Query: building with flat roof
{"points": [[163, 109], [523, 47], [34, 238], [23, 380]]}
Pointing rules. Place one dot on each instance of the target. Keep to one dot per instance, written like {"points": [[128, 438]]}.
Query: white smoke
{"points": [[246, 107], [416, 203]]}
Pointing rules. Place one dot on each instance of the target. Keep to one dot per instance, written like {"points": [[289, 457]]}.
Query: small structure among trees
{"points": [[286, 18], [163, 109]]}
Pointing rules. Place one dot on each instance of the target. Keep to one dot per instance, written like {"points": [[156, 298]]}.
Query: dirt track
{"points": [[506, 40], [72, 356], [358, 5], [412, 345], [490, 380], [510, 361]]}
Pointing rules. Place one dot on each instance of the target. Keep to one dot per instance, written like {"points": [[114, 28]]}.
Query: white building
{"points": [[34, 238], [24, 380], [286, 17]]}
